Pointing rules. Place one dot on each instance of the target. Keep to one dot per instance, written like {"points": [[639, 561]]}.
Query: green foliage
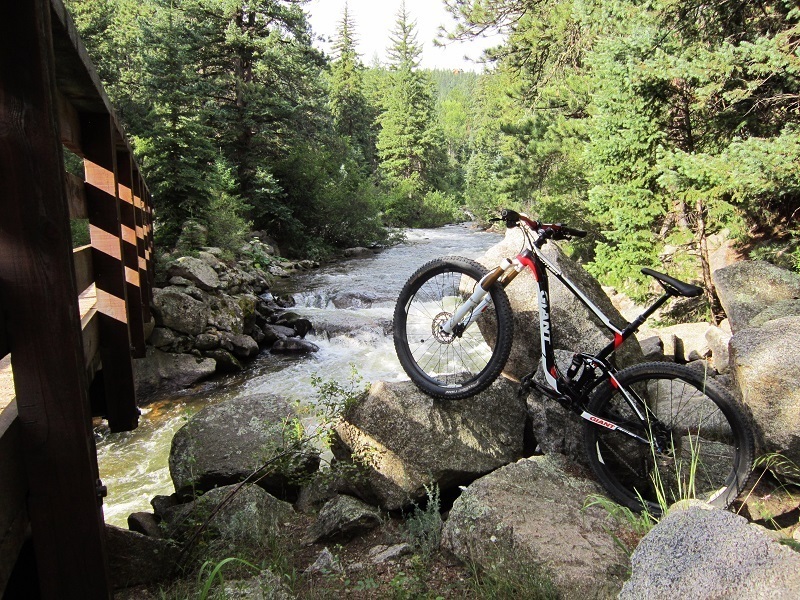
{"points": [[423, 529]]}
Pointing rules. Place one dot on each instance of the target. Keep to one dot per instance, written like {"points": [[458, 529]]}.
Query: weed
{"points": [[423, 529]]}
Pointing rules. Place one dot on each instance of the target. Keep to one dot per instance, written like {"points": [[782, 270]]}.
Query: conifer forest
{"points": [[652, 124]]}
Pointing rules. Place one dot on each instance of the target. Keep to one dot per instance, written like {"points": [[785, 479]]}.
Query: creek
{"points": [[362, 292]]}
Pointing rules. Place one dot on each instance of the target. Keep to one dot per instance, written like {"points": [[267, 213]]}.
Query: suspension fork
{"points": [[479, 300]]}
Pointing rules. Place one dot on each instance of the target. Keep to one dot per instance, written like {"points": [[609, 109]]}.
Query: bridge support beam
{"points": [[39, 295]]}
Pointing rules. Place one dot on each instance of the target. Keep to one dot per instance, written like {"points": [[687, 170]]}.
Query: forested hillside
{"points": [[652, 124]]}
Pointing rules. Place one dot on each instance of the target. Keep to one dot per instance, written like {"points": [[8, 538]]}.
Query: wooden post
{"points": [[40, 297], [142, 240], [99, 151], [130, 252]]}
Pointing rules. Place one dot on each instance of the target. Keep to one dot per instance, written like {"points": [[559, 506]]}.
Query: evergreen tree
{"points": [[352, 114], [410, 144]]}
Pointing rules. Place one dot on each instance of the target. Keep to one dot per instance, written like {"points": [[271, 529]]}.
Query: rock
{"points": [[355, 299], [145, 523], [161, 503], [783, 308], [197, 271], [707, 553], [406, 440], [266, 586], [746, 288], [358, 252], [342, 518], [325, 563], [381, 554], [690, 341], [556, 430], [135, 559], [161, 372], [206, 341], [180, 281], [162, 337], [224, 443], [652, 348], [226, 362], [294, 345], [211, 258], [177, 310], [247, 516], [576, 328], [718, 341], [225, 313], [766, 368], [533, 511], [242, 346]]}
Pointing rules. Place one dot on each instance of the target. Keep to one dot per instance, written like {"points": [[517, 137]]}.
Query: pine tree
{"points": [[352, 114], [410, 145]]}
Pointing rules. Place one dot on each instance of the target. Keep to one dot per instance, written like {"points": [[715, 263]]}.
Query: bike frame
{"points": [[534, 259]]}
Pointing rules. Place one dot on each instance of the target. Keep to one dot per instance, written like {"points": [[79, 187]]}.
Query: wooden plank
{"points": [[90, 327], [130, 253], [13, 491], [84, 274], [76, 197], [69, 124], [4, 344], [141, 243], [102, 199], [41, 302]]}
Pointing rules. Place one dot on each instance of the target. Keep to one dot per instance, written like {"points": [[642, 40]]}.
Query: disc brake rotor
{"points": [[436, 328]]}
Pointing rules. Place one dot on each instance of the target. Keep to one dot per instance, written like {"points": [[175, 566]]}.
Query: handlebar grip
{"points": [[511, 217], [579, 233]]}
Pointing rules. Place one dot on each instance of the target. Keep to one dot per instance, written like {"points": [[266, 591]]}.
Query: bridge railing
{"points": [[70, 319]]}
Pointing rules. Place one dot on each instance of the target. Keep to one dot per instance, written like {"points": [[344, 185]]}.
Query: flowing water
{"points": [[133, 465]]}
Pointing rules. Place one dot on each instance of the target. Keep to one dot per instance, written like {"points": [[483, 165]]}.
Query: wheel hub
{"points": [[436, 328]]}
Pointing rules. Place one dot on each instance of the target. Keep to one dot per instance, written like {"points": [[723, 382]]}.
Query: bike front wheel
{"points": [[455, 365], [700, 443]]}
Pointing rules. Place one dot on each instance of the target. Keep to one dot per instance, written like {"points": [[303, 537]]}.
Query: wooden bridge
{"points": [[70, 319]]}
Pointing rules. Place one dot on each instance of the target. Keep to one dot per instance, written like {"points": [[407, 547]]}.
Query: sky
{"points": [[375, 19]]}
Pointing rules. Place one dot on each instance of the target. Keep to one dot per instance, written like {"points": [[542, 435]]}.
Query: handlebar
{"points": [[554, 231]]}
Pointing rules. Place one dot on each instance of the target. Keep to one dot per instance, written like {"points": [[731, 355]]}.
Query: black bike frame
{"points": [[539, 265]]}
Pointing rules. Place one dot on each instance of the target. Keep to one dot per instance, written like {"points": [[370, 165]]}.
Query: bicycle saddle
{"points": [[674, 286]]}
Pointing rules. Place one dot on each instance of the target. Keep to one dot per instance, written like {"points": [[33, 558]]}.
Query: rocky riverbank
{"points": [[485, 497], [212, 316]]}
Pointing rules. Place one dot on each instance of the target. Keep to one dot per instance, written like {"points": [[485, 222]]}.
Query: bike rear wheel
{"points": [[707, 443], [458, 365]]}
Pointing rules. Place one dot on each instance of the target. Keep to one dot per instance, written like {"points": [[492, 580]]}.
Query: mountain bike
{"points": [[654, 432]]}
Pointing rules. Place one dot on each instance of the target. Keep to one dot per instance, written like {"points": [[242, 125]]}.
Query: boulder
{"points": [[532, 511], [355, 299], [161, 371], [224, 443], [747, 288], [162, 338], [358, 252], [701, 552], [766, 368], [555, 429], [783, 308], [406, 440], [718, 340], [242, 346], [575, 327], [225, 313], [179, 311], [195, 270], [134, 559], [145, 523], [342, 518], [690, 340], [226, 362], [294, 345], [242, 514]]}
